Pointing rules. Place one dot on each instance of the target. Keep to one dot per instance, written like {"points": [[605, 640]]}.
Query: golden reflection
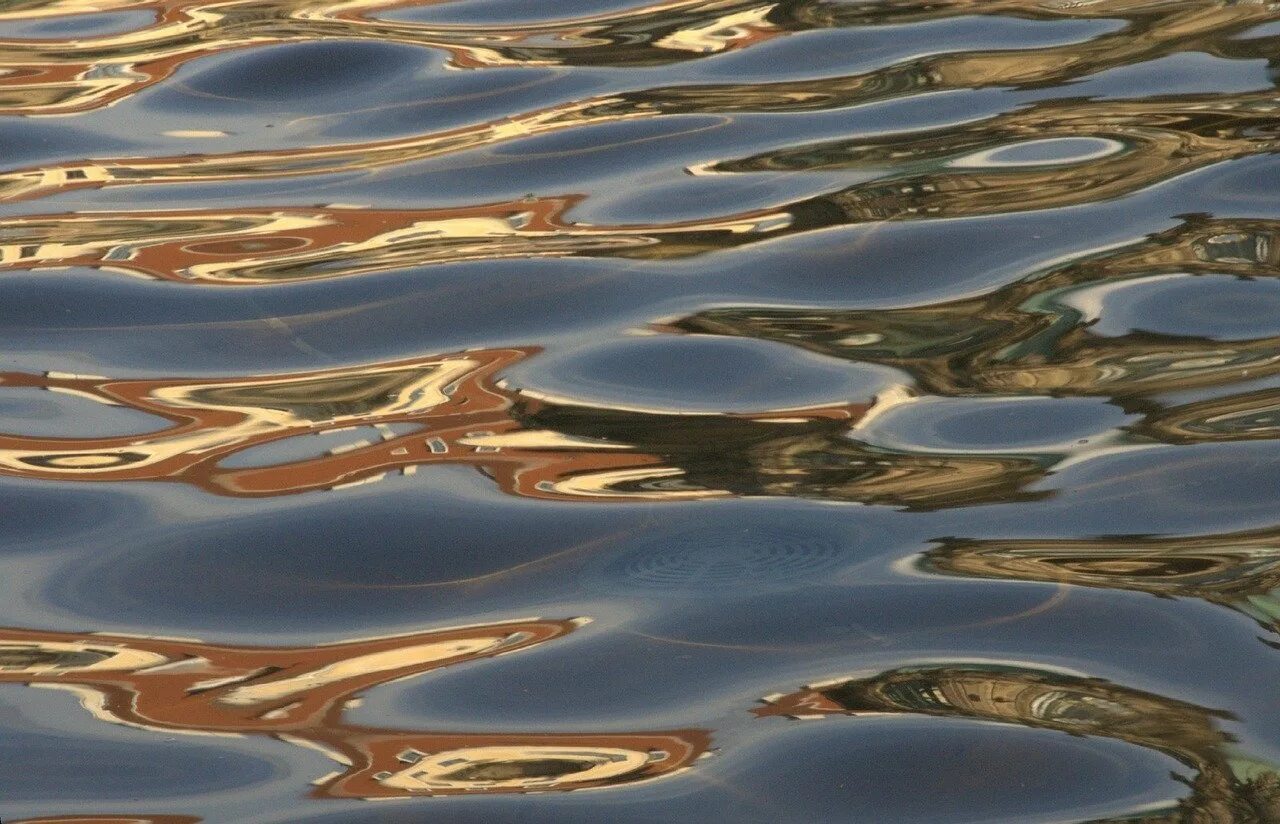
{"points": [[45, 77], [1227, 787], [337, 428], [256, 246], [1049, 155], [1036, 336], [300, 695], [1239, 570], [51, 77], [1161, 137]]}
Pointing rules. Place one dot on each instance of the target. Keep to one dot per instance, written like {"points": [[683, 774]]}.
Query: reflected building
{"points": [[1036, 337], [300, 695], [1225, 788], [332, 429], [1238, 570]]}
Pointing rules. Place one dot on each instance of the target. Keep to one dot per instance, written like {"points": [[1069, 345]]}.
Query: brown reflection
{"points": [[45, 77], [1239, 570], [50, 77], [1076, 705], [1105, 150], [300, 695], [1243, 416], [1161, 137], [254, 245], [1034, 337], [1112, 148], [1154, 30], [257, 436], [110, 819]]}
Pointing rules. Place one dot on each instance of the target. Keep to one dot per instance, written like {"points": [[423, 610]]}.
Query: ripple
{"points": [[476, 403], [754, 557], [1045, 152], [697, 374], [1214, 307], [999, 425]]}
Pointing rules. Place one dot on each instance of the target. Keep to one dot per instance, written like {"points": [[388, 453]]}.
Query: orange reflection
{"points": [[393, 765], [447, 409], [300, 695], [1160, 145], [943, 173], [255, 245], [256, 436], [53, 77], [47, 77]]}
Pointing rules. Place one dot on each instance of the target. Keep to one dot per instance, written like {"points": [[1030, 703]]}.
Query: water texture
{"points": [[592, 410]]}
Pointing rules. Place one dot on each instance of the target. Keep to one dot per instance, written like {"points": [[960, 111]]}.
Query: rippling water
{"points": [[579, 411]]}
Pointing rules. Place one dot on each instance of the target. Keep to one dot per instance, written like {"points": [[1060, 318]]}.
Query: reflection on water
{"points": [[933, 343], [300, 695], [1237, 570], [111, 819], [1070, 704], [1037, 335], [257, 436]]}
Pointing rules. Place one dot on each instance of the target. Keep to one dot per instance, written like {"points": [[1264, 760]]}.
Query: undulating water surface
{"points": [[639, 411]]}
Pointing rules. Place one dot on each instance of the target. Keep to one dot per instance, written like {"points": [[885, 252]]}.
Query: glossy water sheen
{"points": [[600, 410]]}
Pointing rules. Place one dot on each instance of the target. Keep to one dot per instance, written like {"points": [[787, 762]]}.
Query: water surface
{"points": [[809, 410]]}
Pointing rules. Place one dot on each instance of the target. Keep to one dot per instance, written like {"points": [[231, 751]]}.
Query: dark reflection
{"points": [[1227, 787], [1035, 336], [1239, 570], [299, 695], [450, 409]]}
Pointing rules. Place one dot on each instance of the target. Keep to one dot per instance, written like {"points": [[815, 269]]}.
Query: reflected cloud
{"points": [[1226, 787], [300, 695]]}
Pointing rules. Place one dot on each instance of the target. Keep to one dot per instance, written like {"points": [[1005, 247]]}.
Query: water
{"points": [[597, 411]]}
